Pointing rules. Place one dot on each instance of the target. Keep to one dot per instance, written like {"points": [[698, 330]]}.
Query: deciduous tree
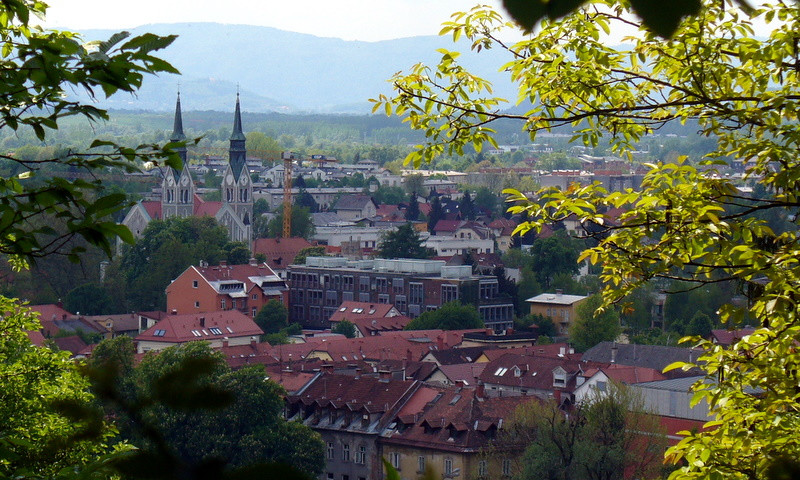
{"points": [[682, 223], [404, 242]]}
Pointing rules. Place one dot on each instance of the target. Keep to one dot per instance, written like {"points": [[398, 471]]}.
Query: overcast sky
{"points": [[368, 20]]}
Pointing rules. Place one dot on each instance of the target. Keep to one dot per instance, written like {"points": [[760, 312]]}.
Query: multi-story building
{"points": [[557, 306], [205, 288], [412, 286]]}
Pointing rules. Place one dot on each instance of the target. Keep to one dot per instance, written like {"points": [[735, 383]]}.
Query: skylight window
{"points": [[215, 331], [343, 309], [372, 311], [500, 371], [196, 333], [205, 332], [159, 333], [229, 329]]}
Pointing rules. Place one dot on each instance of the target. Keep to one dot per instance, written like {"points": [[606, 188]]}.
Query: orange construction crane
{"points": [[287, 193]]}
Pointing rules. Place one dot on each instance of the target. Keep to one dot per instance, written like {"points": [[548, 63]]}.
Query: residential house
{"points": [[355, 207], [351, 414], [205, 288], [560, 308], [656, 357], [57, 321], [446, 430], [370, 318], [597, 379], [116, 325], [229, 327]]}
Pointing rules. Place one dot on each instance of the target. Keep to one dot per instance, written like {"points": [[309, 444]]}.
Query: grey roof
{"points": [[353, 202], [556, 299], [237, 133], [656, 357], [324, 219]]}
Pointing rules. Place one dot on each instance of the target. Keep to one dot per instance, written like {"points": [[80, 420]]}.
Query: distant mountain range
{"points": [[281, 71]]}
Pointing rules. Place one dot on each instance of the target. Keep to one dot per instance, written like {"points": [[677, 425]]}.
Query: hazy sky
{"points": [[368, 20]]}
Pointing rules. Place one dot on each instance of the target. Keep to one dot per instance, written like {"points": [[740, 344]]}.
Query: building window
{"points": [[196, 304], [449, 293], [361, 454], [383, 298], [506, 467], [363, 297], [255, 312], [345, 452], [400, 303], [448, 466], [601, 386], [395, 457], [420, 464], [482, 468], [331, 451], [255, 296], [415, 294], [223, 304], [398, 285], [194, 283], [330, 476]]}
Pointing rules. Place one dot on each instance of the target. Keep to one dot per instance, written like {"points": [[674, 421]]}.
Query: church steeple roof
{"points": [[237, 122], [177, 126]]}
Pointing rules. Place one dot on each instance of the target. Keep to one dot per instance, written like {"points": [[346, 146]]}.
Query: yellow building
{"points": [[558, 307]]}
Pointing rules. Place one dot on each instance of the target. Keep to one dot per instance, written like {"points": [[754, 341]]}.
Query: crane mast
{"points": [[287, 193]]}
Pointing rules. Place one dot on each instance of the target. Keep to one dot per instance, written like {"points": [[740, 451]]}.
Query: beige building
{"points": [[558, 307]]}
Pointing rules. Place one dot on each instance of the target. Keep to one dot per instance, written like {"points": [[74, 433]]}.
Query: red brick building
{"points": [[245, 288]]}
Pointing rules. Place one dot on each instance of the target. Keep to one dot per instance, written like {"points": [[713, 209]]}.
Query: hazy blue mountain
{"points": [[277, 70]]}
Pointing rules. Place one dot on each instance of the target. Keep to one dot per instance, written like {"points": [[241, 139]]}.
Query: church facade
{"points": [[179, 197]]}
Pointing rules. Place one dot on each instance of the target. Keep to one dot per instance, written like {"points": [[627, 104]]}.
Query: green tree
{"points": [[467, 207], [414, 184], [260, 207], [682, 223], [412, 212], [88, 299], [592, 326], [249, 429], [607, 437], [404, 242], [346, 328], [316, 251], [450, 316], [552, 256], [272, 317], [437, 213], [48, 425], [301, 225], [236, 253], [487, 201]]}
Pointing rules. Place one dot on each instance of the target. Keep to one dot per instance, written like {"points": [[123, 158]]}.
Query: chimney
{"points": [[614, 349], [461, 383], [253, 262], [409, 355], [59, 303], [559, 292], [562, 351], [440, 342], [489, 332], [510, 331], [225, 342], [202, 321], [384, 376], [479, 390], [223, 263], [557, 396], [253, 341], [174, 311]]}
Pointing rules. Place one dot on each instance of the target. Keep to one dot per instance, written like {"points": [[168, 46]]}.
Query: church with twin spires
{"points": [[179, 197]]}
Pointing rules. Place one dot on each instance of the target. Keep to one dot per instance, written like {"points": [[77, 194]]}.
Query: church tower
{"points": [[177, 187], [237, 188]]}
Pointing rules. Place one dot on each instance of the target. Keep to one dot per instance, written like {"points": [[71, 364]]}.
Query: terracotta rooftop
{"points": [[355, 310], [280, 252], [201, 326]]}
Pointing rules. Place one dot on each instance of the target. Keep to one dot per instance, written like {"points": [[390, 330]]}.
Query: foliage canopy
{"points": [[683, 223]]}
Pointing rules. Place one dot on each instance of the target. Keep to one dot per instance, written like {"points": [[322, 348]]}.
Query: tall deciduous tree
{"points": [[592, 326], [272, 317], [681, 224], [450, 316]]}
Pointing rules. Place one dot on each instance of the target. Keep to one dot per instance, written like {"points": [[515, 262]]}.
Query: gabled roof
{"points": [[468, 372], [153, 209], [651, 356], [355, 310], [451, 419], [452, 356], [123, 322], [223, 278], [375, 326], [354, 202], [280, 252], [550, 350], [201, 326], [72, 344], [529, 372], [447, 226], [727, 338], [205, 209], [627, 374]]}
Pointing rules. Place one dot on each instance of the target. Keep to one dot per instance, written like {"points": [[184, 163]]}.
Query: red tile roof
{"points": [[729, 337], [447, 226], [72, 344], [375, 326], [206, 209], [180, 328], [356, 394], [355, 310], [280, 252], [153, 209], [627, 374]]}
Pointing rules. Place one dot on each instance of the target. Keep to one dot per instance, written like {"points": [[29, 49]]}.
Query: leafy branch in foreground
{"points": [[40, 213], [682, 223]]}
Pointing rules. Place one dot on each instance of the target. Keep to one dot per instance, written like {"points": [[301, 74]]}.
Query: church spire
{"points": [[177, 126], [237, 122]]}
